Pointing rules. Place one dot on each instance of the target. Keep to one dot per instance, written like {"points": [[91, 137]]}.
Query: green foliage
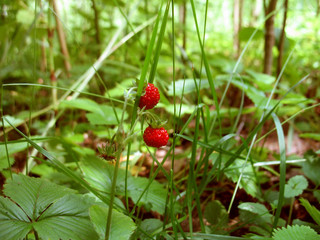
{"points": [[314, 213], [149, 226], [98, 114], [54, 212], [295, 233], [212, 127], [295, 186], [216, 214], [248, 181], [99, 174], [311, 167], [121, 225], [12, 148]]}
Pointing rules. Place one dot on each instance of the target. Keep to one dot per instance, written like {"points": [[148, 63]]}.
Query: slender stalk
{"points": [[62, 39], [120, 147], [4, 133], [290, 211], [113, 187], [51, 57]]}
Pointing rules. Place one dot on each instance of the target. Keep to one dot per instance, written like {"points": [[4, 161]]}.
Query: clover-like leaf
{"points": [[53, 211], [295, 233], [295, 186]]}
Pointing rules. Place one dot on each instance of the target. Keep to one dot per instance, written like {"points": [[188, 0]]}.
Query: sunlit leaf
{"points": [[295, 186]]}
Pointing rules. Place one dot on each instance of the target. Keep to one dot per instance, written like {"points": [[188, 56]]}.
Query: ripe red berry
{"points": [[150, 98], [155, 137]]}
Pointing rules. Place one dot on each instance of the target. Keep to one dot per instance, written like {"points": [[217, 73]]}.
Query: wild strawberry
{"points": [[150, 98], [155, 137]]}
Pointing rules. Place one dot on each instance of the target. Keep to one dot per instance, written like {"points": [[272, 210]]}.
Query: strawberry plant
{"points": [[90, 150]]}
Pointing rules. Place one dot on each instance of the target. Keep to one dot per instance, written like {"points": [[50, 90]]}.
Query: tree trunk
{"points": [[182, 18], [96, 22], [237, 23], [282, 37], [269, 37], [62, 39]]}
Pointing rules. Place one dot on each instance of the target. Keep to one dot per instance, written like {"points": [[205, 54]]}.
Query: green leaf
{"points": [[316, 194], [14, 222], [99, 174], [314, 213], [55, 212], [189, 86], [295, 186], [68, 218], [295, 233], [263, 81], [13, 120], [99, 114], [121, 225], [12, 148], [246, 32], [314, 136], [254, 212], [149, 226], [215, 213], [248, 180], [33, 194]]}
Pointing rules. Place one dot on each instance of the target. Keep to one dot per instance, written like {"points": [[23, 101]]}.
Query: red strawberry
{"points": [[155, 137], [150, 98]]}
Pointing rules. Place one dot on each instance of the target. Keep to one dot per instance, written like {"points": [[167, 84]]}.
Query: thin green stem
{"points": [[112, 193], [120, 147], [290, 211], [4, 134]]}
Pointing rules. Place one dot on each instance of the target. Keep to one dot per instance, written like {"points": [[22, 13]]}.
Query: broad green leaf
{"points": [[246, 32], [14, 223], [215, 213], [295, 186], [68, 218], [34, 194], [189, 86], [149, 226], [81, 103], [263, 81], [225, 65], [185, 109], [254, 212], [257, 96], [314, 213], [295, 233], [15, 121], [99, 174], [12, 148], [248, 180], [121, 225], [55, 212], [99, 114]]}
